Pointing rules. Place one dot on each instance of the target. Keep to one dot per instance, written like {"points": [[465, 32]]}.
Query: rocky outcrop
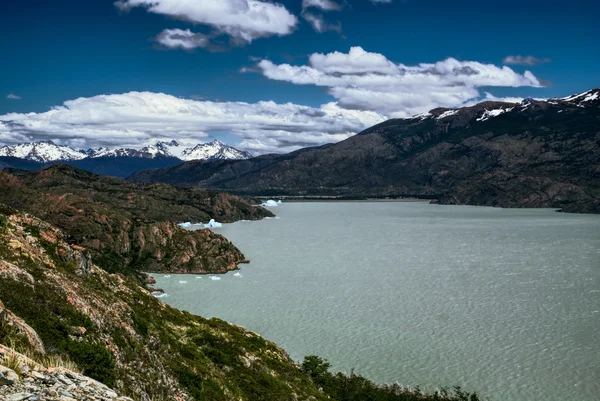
{"points": [[12, 321], [38, 383], [529, 154], [130, 228]]}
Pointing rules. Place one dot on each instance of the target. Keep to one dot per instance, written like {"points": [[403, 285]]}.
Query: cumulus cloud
{"points": [[242, 20], [137, 118], [12, 96], [524, 60], [319, 24], [369, 81]]}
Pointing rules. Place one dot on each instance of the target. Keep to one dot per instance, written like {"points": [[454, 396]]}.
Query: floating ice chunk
{"points": [[215, 278], [237, 274], [212, 224], [198, 277], [157, 295], [185, 225], [167, 276], [182, 282], [271, 203]]}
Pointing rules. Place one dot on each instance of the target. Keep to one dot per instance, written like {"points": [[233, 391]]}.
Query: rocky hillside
{"points": [[130, 227], [529, 154], [62, 315], [58, 306]]}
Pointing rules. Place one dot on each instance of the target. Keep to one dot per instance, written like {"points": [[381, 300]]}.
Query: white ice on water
{"points": [[215, 278], [161, 295], [212, 224], [271, 203], [167, 276], [182, 282], [185, 225], [237, 274]]}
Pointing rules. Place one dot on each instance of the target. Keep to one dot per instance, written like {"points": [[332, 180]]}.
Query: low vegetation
{"points": [[352, 387]]}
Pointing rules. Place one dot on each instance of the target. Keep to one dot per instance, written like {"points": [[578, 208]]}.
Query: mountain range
{"points": [[535, 153], [119, 162]]}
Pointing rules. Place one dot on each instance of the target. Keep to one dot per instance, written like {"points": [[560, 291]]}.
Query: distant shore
{"points": [[344, 199], [356, 200]]}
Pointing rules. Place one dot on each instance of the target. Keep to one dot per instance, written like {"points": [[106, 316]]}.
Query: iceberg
{"points": [[212, 224], [187, 224], [167, 276], [198, 277], [215, 278], [160, 295], [237, 274], [182, 281], [271, 203]]}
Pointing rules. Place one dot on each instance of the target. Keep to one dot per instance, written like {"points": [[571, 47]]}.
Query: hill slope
{"points": [[529, 154], [54, 300], [130, 227]]}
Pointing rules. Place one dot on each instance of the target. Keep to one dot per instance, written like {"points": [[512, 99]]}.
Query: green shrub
{"points": [[95, 360]]}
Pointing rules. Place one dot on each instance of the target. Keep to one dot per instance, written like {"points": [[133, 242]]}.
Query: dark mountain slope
{"points": [[115, 166], [530, 154], [130, 227]]}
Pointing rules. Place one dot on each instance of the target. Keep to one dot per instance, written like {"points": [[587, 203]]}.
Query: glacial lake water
{"points": [[502, 301]]}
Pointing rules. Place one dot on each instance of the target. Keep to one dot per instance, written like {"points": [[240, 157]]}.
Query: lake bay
{"points": [[502, 301]]}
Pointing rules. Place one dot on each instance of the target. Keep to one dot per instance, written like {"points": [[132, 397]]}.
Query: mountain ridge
{"points": [[118, 162], [535, 153], [48, 151]]}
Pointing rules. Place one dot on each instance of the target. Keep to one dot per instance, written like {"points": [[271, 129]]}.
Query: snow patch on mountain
{"points": [[447, 114], [492, 113], [43, 152]]}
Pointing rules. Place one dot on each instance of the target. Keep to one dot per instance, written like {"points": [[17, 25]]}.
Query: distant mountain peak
{"points": [[214, 150], [47, 151], [43, 152]]}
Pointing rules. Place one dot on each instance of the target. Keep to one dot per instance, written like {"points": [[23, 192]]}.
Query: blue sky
{"points": [[63, 50]]}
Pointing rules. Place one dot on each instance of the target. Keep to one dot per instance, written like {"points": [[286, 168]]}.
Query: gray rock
{"points": [[9, 374], [19, 396]]}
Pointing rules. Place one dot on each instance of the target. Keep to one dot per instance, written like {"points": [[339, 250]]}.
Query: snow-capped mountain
{"points": [[47, 151], [215, 150], [42, 152]]}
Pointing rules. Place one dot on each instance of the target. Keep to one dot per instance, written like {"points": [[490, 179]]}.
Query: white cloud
{"points": [[12, 96], [243, 20], [369, 81], [182, 39], [136, 118], [318, 23], [524, 60], [325, 5]]}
